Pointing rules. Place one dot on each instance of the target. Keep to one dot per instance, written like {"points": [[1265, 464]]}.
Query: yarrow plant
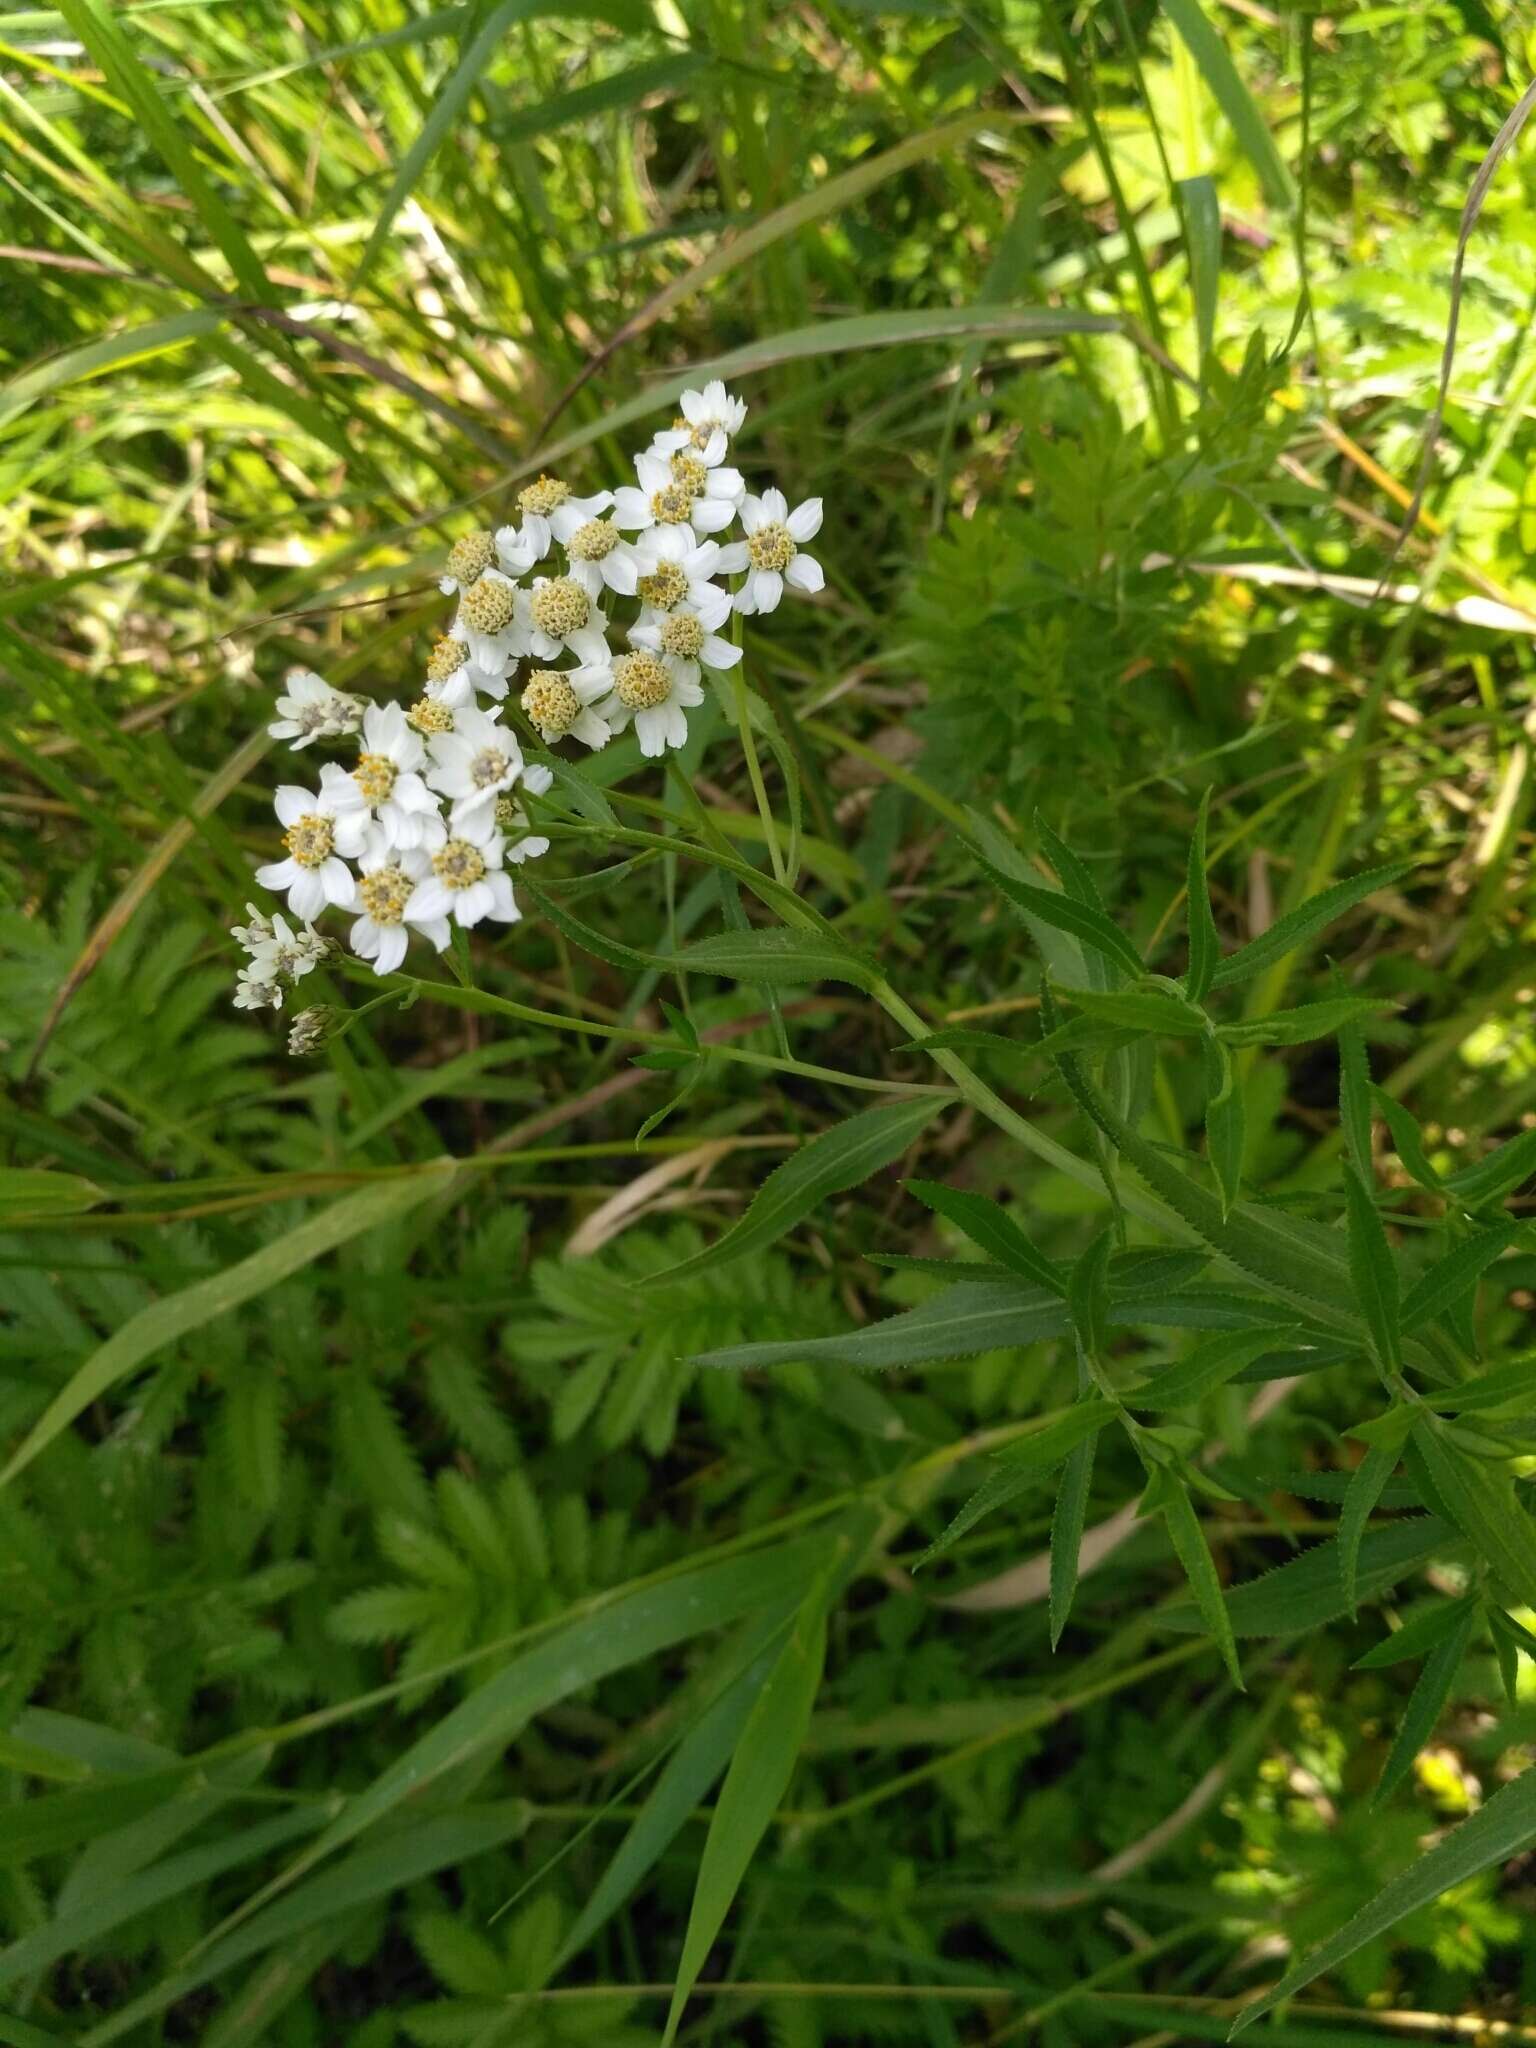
{"points": [[416, 835]]}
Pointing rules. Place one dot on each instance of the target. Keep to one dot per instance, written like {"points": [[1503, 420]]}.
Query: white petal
{"points": [[503, 902], [677, 723], [336, 881], [307, 896], [768, 588], [804, 522], [651, 730], [804, 573], [646, 636], [711, 603], [590, 730], [725, 483], [392, 945], [631, 507], [709, 515], [475, 902], [620, 574], [278, 875], [775, 506], [718, 653], [733, 557], [537, 778], [292, 803], [430, 899]]}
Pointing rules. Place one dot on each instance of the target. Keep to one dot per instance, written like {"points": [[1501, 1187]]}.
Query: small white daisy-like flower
{"points": [[682, 640], [671, 493], [286, 954], [556, 614], [512, 820], [386, 780], [650, 691], [455, 677], [560, 701], [468, 560], [675, 569], [517, 550], [384, 889], [538, 502], [598, 554], [771, 553], [467, 882], [488, 623], [309, 709], [706, 421], [321, 826], [253, 991], [257, 933], [474, 764]]}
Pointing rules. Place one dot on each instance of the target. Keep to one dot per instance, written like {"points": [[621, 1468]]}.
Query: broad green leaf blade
{"points": [[1178, 1511], [1206, 46], [775, 957], [988, 1225], [1481, 1500], [1455, 1275], [1300, 1026], [1023, 1465], [1293, 930], [1373, 1271], [164, 1321], [1365, 1489], [1208, 1366], [1065, 913], [1503, 1828], [1204, 946], [755, 1783], [843, 1157], [1067, 1522]]}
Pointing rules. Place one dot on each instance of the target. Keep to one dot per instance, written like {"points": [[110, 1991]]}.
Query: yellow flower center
{"points": [[590, 543], [641, 681], [550, 701], [560, 607], [688, 473], [384, 894], [487, 605], [682, 635], [671, 505], [771, 547], [427, 715], [309, 839], [699, 435], [544, 497], [665, 585], [471, 556], [458, 864], [448, 656], [489, 766], [374, 776]]}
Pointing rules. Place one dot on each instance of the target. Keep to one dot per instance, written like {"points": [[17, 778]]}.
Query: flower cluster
{"points": [[418, 833]]}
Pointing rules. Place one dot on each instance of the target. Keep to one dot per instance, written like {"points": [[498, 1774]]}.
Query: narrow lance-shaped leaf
{"points": [[1226, 1126], [1427, 1700], [1481, 1500], [1407, 1139], [1023, 1465], [1455, 1275], [1417, 1636], [1166, 1496], [1355, 1098], [1373, 1270], [1504, 1168], [840, 1158], [1208, 1366], [1139, 1010], [1301, 1026], [775, 957], [1055, 907], [1287, 933], [1206, 46], [989, 1226], [1365, 1490], [1071, 1512], [1204, 946], [1305, 1593]]}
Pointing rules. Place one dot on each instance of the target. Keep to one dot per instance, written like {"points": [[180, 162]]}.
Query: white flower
{"points": [[468, 560], [675, 568], [557, 613], [254, 992], [708, 419], [386, 785], [474, 763], [537, 502], [455, 676], [467, 881], [597, 552], [384, 890], [257, 933], [287, 954], [517, 550], [655, 695], [310, 709], [512, 820], [682, 641], [677, 490], [321, 826], [560, 700], [770, 554], [488, 622]]}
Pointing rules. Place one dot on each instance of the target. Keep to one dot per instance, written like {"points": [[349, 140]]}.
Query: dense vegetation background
{"points": [[1110, 337]]}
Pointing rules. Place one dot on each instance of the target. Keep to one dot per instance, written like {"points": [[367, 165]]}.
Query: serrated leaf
{"points": [[1168, 1497], [961, 1038], [1208, 1366], [843, 1157], [1355, 1098], [989, 1226], [1088, 1295], [1503, 1828], [1513, 1381], [1067, 1521], [775, 958], [1407, 1140], [1226, 1125], [1139, 1010], [1300, 1026], [1428, 1698], [1293, 930], [1023, 1465], [1455, 1275], [1065, 913], [973, 1316], [1373, 1270], [1504, 1168], [1365, 1490], [1204, 946], [1305, 1593], [1481, 1501], [1417, 1636]]}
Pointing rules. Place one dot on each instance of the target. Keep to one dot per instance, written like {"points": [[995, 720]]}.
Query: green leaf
{"points": [[1208, 1366], [1355, 1099], [1304, 923], [1067, 1521], [988, 1225], [1482, 1502], [759, 1774], [1204, 946], [1202, 218], [1088, 1295], [1406, 1139], [1023, 1465], [843, 1157], [1073, 873], [1139, 1009], [973, 1316], [1418, 1635], [1301, 1026], [31, 1193], [177, 1314], [597, 943], [1365, 1489], [775, 958], [1065, 913], [1167, 1496], [1306, 1592], [1514, 1381], [1503, 1828], [1373, 1270], [1455, 1275], [1205, 45], [1504, 1168], [1226, 1125], [1428, 1699], [961, 1038]]}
